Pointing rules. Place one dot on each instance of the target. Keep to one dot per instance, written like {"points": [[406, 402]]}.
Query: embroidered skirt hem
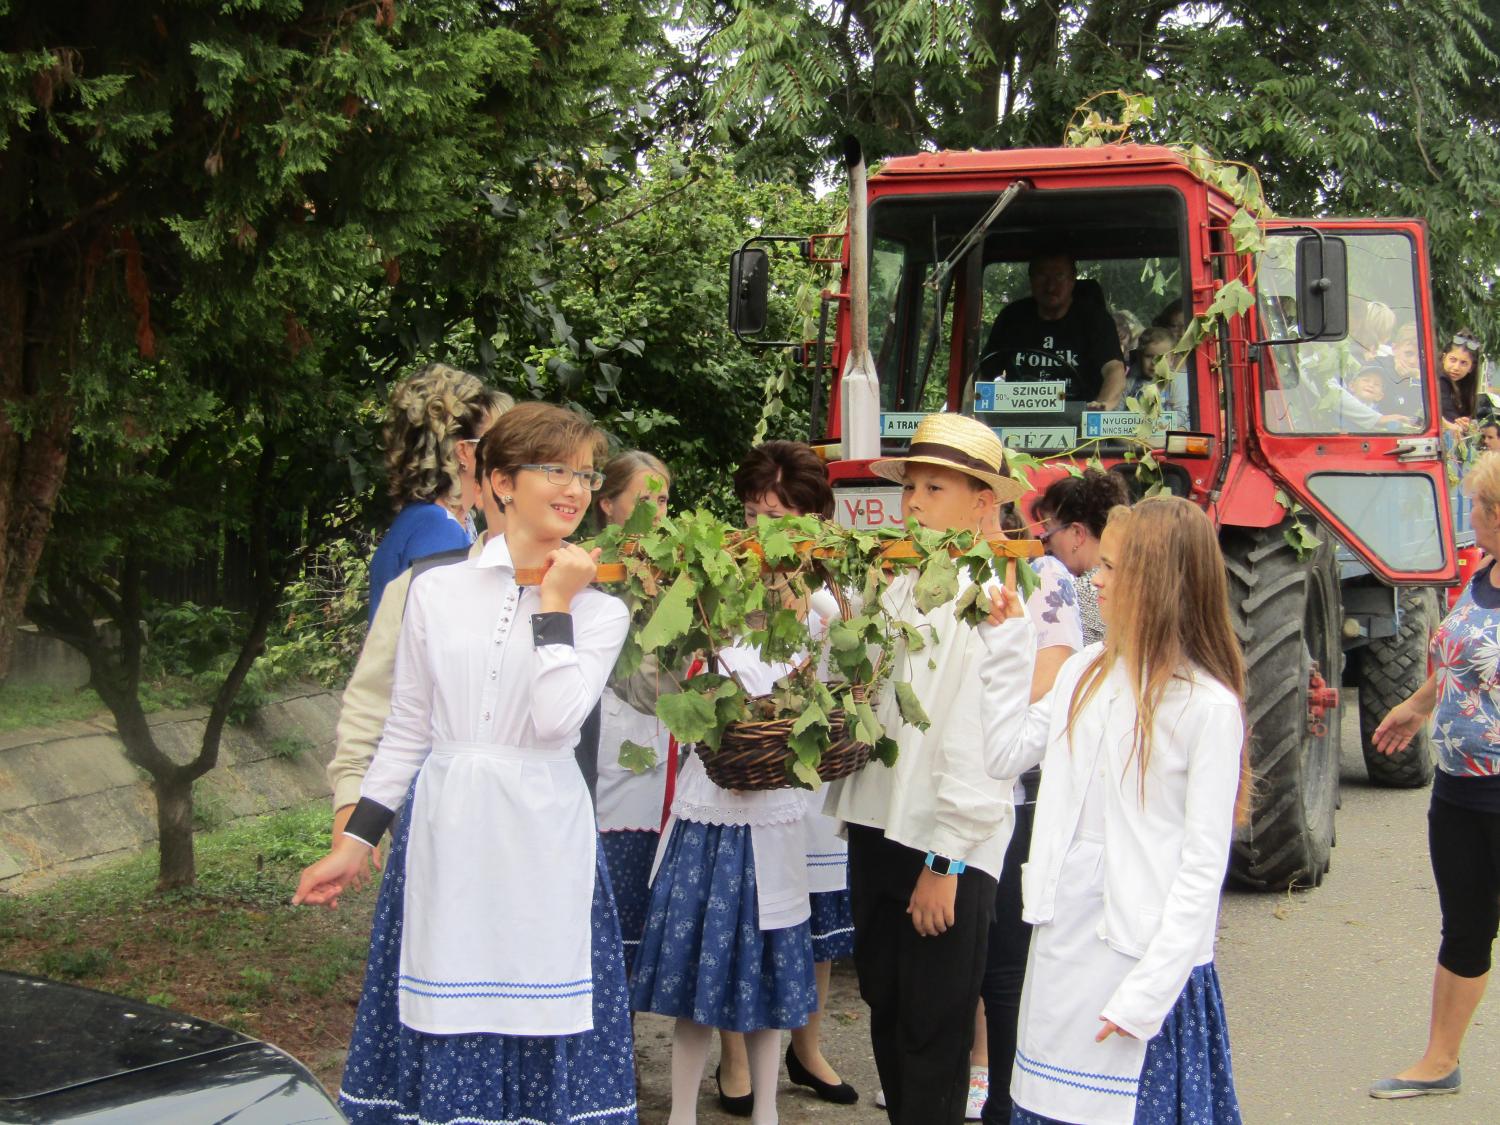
{"points": [[395, 1075], [832, 926], [1187, 1076], [629, 854]]}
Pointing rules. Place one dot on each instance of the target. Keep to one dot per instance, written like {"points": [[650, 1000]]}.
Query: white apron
{"points": [[499, 893], [827, 852], [1071, 973], [626, 801]]}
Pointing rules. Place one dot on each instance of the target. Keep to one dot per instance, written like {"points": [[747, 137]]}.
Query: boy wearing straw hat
{"points": [[927, 837]]}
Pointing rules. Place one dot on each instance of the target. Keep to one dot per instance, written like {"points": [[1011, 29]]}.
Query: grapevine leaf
{"points": [[637, 758], [673, 615], [813, 715], [806, 774], [911, 708], [867, 727], [688, 714], [938, 582], [642, 519]]}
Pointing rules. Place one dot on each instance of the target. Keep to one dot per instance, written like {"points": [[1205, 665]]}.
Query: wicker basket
{"points": [[757, 755]]}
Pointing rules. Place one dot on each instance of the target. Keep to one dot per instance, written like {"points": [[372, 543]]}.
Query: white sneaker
{"points": [[979, 1092], [880, 1099]]}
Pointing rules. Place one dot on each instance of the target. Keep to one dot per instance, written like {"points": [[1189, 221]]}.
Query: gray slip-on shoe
{"points": [[1415, 1087]]}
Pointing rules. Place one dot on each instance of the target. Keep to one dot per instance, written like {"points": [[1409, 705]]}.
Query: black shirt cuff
{"points": [[551, 629], [368, 821]]}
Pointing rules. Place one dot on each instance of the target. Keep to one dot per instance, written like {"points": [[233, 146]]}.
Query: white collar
{"points": [[496, 553]]}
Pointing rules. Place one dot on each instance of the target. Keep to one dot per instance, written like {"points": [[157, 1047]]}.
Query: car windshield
{"points": [[1046, 327]]}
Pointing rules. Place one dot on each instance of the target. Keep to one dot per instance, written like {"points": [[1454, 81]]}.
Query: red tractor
{"points": [[1335, 527]]}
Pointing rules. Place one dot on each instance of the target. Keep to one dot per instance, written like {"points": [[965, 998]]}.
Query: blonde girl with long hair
{"points": [[1142, 744]]}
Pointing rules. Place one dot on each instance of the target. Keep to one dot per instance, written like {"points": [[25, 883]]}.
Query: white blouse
{"points": [[505, 691]]}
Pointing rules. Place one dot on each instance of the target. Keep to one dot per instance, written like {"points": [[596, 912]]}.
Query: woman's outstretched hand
{"points": [[322, 882], [1398, 728]]}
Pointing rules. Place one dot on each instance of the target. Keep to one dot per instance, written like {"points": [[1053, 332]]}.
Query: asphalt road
{"points": [[1326, 990]]}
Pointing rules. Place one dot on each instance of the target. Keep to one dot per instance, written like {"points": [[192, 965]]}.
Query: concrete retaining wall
{"points": [[69, 798]]}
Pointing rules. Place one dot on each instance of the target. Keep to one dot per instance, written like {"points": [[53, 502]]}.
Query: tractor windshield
{"points": [[1044, 326], [1369, 382]]}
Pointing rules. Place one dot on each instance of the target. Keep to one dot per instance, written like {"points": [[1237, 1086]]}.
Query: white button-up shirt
{"points": [[466, 670]]}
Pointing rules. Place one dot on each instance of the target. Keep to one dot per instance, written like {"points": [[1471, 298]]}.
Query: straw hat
{"points": [[955, 441]]}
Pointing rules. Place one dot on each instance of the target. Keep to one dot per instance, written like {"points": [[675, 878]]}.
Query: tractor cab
{"points": [[1306, 422]]}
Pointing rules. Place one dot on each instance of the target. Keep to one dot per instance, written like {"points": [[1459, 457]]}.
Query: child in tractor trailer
{"points": [[1144, 771], [927, 837]]}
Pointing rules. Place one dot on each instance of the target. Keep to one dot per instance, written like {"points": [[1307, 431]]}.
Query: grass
{"points": [[44, 706], [232, 950]]}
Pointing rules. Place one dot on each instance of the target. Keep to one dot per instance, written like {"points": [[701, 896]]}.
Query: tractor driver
{"points": [[1049, 336]]}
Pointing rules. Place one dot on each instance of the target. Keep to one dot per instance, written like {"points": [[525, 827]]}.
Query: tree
{"points": [[276, 151], [1358, 107], [209, 209]]}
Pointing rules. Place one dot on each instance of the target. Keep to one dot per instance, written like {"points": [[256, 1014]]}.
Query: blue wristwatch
{"points": [[942, 865]]}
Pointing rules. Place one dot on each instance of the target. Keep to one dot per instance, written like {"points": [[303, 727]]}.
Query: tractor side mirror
{"points": [[749, 284], [1322, 288]]}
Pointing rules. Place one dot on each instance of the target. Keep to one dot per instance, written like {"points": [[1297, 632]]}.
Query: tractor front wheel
{"points": [[1286, 611]]}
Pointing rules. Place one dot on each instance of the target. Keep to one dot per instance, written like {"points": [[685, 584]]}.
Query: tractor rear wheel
{"points": [[1390, 669], [1286, 611]]}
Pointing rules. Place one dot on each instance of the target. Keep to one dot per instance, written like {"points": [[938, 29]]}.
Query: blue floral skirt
{"points": [[397, 1075], [832, 925], [1187, 1077], [704, 956], [628, 854]]}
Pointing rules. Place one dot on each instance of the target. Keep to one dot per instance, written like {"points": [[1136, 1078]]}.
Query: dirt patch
{"points": [[237, 953]]}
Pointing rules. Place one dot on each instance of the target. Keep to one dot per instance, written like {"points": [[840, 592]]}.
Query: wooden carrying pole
{"points": [[899, 550]]}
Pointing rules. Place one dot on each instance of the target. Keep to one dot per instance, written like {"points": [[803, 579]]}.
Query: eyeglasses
{"points": [[562, 476], [1462, 341], [1048, 532]]}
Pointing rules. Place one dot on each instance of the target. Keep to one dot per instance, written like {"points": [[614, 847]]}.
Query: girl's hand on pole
{"points": [[568, 570]]}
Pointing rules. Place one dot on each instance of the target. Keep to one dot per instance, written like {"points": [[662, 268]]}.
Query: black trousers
{"points": [[1005, 971], [922, 991], [1465, 847]]}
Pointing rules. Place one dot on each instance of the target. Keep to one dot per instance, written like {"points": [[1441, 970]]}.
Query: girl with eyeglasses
{"points": [[495, 988], [1072, 512]]}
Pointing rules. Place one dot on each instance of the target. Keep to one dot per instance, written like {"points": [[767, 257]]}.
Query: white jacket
{"points": [[938, 796], [1165, 852]]}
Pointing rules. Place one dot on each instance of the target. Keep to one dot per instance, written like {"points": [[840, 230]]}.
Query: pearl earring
{"points": [[505, 500]]}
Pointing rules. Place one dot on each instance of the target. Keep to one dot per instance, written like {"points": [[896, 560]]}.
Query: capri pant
{"points": [[1465, 847]]}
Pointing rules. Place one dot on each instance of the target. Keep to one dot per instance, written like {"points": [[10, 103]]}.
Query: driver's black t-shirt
{"points": [[1024, 347]]}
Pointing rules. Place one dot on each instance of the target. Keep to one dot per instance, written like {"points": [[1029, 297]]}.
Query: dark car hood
{"points": [[58, 1035]]}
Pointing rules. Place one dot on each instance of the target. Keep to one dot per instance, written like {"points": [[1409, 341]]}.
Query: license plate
{"points": [[1038, 439], [868, 508], [1020, 398], [1125, 423]]}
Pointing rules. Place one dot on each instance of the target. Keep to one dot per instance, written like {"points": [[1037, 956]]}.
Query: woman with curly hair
{"points": [[435, 419]]}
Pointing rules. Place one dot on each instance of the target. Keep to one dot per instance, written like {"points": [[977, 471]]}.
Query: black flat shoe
{"points": [[842, 1094], [741, 1106]]}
